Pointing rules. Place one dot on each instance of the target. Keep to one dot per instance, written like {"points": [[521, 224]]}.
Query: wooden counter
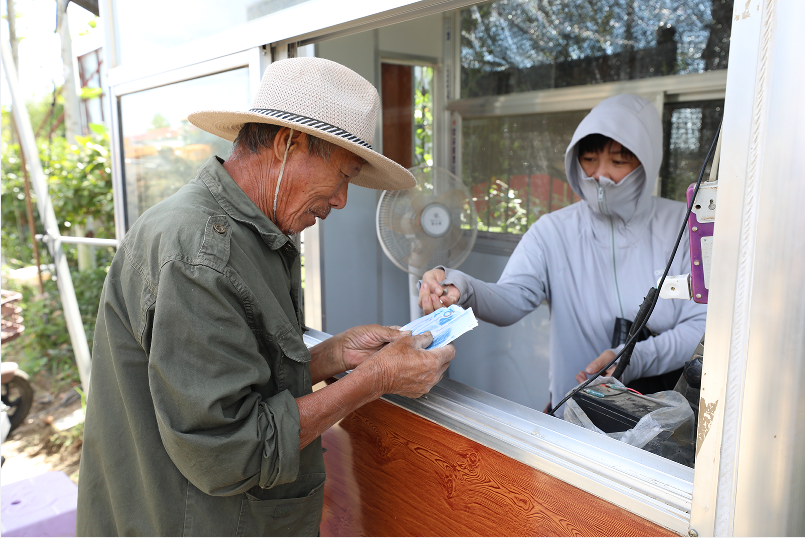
{"points": [[393, 473]]}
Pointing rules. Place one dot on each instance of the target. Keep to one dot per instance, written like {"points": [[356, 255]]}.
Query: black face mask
{"points": [[620, 334]]}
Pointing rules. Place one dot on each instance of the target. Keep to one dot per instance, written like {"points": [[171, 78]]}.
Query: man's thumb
{"points": [[393, 333], [423, 340]]}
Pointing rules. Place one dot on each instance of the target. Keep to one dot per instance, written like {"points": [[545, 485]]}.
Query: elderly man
{"points": [[201, 417]]}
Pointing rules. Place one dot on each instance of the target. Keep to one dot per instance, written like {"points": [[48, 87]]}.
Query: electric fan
{"points": [[432, 224]]}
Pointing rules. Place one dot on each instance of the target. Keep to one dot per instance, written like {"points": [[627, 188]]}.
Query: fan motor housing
{"points": [[435, 220]]}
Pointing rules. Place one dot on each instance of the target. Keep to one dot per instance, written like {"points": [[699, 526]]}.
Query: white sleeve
{"points": [[520, 289]]}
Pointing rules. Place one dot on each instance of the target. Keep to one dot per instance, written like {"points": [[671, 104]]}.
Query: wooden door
{"points": [[398, 113]]}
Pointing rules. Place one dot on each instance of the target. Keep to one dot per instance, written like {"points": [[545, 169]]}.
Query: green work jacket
{"points": [[192, 426]]}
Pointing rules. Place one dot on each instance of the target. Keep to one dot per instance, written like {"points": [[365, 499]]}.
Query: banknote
{"points": [[444, 324]]}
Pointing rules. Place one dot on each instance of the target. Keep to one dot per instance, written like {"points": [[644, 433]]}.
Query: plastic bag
{"points": [[668, 432]]}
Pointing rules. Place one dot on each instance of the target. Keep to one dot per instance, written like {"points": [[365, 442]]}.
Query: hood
{"points": [[634, 123]]}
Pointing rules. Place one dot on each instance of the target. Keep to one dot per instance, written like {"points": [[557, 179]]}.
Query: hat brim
{"points": [[379, 172]]}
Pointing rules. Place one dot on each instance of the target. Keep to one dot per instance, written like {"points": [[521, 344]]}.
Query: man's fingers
{"points": [[392, 334], [445, 354], [421, 341]]}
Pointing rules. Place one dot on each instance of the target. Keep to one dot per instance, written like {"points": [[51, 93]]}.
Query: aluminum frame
{"points": [[304, 24], [671, 89]]}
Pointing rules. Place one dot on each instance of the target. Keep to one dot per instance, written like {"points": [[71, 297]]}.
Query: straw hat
{"points": [[321, 98]]}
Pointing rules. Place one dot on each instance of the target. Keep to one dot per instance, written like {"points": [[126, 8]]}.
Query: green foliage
{"points": [[45, 344], [80, 183], [79, 180], [159, 121], [90, 93], [423, 115]]}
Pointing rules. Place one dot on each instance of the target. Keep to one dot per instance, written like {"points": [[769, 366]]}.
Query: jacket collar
{"points": [[238, 205], [601, 226]]}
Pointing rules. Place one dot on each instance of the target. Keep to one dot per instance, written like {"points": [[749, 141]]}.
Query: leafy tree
{"points": [[159, 121], [80, 184], [79, 180]]}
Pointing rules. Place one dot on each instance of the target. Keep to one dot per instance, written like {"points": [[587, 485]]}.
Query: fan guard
{"points": [[432, 224]]}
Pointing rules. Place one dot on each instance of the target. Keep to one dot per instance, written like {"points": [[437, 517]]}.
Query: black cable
{"points": [[653, 293]]}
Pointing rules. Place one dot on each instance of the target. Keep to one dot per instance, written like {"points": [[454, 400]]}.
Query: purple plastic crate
{"points": [[40, 506]]}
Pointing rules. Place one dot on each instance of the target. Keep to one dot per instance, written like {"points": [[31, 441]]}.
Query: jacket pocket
{"points": [[300, 516], [293, 346]]}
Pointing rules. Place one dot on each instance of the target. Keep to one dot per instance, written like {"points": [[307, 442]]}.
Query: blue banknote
{"points": [[445, 324]]}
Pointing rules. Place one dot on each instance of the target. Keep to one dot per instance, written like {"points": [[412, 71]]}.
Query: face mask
{"points": [[613, 199]]}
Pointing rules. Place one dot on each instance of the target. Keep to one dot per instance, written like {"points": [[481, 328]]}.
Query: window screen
{"points": [[523, 45]]}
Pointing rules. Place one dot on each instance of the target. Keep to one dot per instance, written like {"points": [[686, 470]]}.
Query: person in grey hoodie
{"points": [[595, 260]]}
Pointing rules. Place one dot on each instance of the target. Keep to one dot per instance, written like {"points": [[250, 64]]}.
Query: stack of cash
{"points": [[445, 324]]}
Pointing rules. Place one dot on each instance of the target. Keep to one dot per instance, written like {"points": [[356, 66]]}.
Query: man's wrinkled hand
{"points": [[359, 343], [432, 295], [406, 368], [595, 366]]}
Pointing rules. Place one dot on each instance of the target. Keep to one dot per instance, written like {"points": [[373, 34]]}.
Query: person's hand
{"points": [[595, 366], [359, 343], [433, 295], [406, 368]]}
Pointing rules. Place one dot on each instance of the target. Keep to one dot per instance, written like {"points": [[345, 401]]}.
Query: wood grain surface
{"points": [[392, 473]]}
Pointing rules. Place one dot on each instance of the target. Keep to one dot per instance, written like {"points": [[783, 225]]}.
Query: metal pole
{"points": [[77, 240], [28, 144]]}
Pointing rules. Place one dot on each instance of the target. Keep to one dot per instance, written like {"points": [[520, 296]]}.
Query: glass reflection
{"points": [[523, 45], [689, 129], [515, 168], [162, 151]]}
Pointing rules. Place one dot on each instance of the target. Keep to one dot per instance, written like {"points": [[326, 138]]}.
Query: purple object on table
{"points": [[40, 506], [696, 231]]}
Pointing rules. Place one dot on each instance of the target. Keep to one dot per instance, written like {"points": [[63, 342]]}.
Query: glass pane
{"points": [[689, 129], [515, 167], [148, 28], [162, 151], [523, 45], [423, 115]]}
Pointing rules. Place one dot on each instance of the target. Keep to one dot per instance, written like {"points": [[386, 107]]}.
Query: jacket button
{"points": [[220, 228]]}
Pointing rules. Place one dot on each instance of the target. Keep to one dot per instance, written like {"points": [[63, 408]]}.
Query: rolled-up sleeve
{"points": [[206, 373]]}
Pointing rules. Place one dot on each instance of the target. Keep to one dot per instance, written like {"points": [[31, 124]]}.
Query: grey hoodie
{"points": [[595, 260]]}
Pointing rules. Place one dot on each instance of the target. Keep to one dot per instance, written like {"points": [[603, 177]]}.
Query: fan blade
{"points": [[417, 201], [452, 199], [420, 258], [404, 224], [456, 242]]}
